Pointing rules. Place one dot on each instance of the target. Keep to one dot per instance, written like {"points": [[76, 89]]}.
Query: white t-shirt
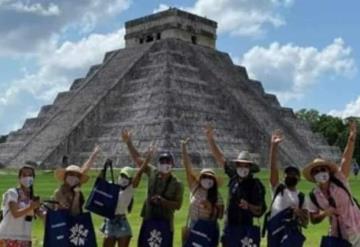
{"points": [[10, 227], [289, 198], [124, 200]]}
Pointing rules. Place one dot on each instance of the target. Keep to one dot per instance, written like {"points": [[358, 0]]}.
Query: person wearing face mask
{"points": [[165, 191], [118, 229], [69, 195], [206, 203], [287, 210], [246, 194], [19, 208], [332, 196]]}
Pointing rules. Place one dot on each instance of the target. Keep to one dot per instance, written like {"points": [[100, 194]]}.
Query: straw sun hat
{"points": [[211, 173], [245, 157], [333, 168], [60, 173]]}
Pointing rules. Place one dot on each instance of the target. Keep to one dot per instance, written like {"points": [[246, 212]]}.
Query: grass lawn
{"points": [[45, 185]]}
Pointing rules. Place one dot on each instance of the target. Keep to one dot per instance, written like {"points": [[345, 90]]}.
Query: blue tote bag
{"points": [[57, 228], [81, 231], [155, 232], [204, 233], [104, 195], [62, 229], [247, 235], [283, 232], [330, 241]]}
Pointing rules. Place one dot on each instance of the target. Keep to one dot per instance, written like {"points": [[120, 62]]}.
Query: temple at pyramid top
{"points": [[171, 23]]}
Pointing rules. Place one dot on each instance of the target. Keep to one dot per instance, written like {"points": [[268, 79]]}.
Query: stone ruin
{"points": [[164, 85]]}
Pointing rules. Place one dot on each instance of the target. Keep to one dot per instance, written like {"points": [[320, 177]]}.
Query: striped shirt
{"points": [[200, 207]]}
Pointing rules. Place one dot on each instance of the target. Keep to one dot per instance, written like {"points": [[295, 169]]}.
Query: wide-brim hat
{"points": [[127, 171], [61, 172], [211, 173], [245, 157], [333, 168]]}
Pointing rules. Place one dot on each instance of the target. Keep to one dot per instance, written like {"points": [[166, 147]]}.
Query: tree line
{"points": [[334, 129]]}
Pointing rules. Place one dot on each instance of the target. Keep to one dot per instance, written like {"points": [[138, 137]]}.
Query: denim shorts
{"points": [[117, 227]]}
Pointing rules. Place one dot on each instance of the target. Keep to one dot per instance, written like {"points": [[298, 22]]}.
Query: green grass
{"points": [[46, 184]]}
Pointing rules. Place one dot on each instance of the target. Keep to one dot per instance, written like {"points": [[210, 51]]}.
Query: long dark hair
{"points": [[212, 197], [31, 188]]}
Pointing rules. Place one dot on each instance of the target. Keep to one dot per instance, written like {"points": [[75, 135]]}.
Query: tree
{"points": [[3, 138], [334, 129]]}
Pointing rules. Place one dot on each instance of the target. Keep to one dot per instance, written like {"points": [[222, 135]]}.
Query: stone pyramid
{"points": [[164, 85]]}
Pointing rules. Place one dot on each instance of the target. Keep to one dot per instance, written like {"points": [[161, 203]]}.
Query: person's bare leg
{"points": [[124, 242], [109, 242]]}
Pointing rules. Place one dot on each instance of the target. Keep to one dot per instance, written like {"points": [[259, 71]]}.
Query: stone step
{"points": [[82, 102], [93, 69], [33, 123], [77, 84]]}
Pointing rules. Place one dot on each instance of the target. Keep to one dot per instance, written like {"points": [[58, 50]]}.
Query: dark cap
{"points": [[167, 155], [292, 169]]}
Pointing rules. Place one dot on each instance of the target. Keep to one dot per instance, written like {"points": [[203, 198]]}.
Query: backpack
{"points": [[339, 184], [262, 192], [280, 189], [252, 182], [2, 213]]}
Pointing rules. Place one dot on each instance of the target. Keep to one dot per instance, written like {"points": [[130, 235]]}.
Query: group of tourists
{"points": [[289, 212]]}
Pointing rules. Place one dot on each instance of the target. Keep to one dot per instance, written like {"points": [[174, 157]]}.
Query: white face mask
{"points": [[207, 183], [322, 177], [27, 181], [123, 181], [242, 171], [165, 168], [72, 180]]}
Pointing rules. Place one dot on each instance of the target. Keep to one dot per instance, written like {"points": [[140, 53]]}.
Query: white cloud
{"points": [[242, 17], [58, 67], [161, 7], [289, 70], [352, 109], [27, 26], [36, 8]]}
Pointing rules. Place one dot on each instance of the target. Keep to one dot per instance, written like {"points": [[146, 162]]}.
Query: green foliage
{"points": [[334, 129], [3, 138]]}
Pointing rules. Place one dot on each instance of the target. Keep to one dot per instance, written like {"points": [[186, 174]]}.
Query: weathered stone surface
{"points": [[164, 91]]}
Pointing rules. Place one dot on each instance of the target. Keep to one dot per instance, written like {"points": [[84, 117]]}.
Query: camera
{"points": [[28, 218]]}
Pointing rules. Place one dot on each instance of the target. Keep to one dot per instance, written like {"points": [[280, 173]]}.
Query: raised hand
{"points": [[126, 135], [150, 152], [277, 137], [186, 141], [97, 149], [352, 129], [209, 131]]}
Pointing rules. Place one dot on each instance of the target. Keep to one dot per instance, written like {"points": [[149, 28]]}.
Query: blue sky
{"points": [[306, 52]]}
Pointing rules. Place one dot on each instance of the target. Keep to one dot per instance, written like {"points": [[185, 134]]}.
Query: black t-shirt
{"points": [[249, 189]]}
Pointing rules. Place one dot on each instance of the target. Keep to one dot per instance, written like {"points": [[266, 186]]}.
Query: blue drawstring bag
{"points": [[247, 235], [104, 195], [204, 233], [155, 232]]}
